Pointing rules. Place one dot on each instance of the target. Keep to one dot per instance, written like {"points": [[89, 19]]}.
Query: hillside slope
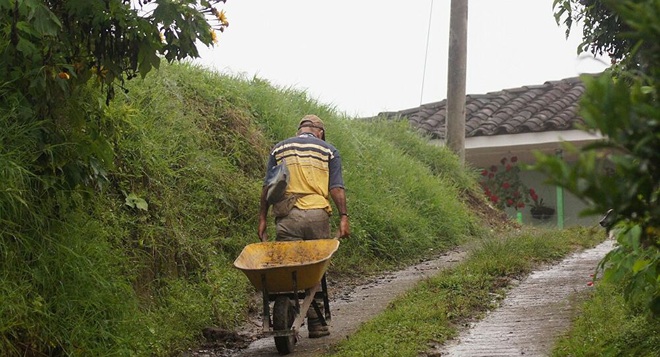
{"points": [[138, 261]]}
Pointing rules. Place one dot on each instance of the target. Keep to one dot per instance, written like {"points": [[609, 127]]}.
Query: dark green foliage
{"points": [[622, 171], [603, 32]]}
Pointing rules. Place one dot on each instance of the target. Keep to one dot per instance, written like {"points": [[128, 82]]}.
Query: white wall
{"points": [[572, 205], [483, 151]]}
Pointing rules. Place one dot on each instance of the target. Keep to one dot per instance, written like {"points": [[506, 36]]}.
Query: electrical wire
{"points": [[426, 54]]}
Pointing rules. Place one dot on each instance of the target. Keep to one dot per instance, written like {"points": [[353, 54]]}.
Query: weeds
{"points": [[593, 333]]}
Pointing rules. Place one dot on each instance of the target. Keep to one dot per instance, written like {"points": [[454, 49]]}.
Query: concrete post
{"points": [[456, 78]]}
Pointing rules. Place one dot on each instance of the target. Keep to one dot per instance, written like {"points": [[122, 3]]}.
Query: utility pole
{"points": [[456, 78]]}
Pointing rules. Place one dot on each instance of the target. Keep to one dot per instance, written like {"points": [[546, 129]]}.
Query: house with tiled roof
{"points": [[516, 122]]}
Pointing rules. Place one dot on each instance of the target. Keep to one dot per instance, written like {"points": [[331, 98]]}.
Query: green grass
{"points": [[86, 271], [431, 311], [607, 326]]}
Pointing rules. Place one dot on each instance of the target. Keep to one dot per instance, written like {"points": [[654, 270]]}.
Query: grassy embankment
{"points": [[140, 263]]}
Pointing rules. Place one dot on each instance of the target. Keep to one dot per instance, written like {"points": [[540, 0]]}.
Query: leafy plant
{"points": [[53, 51], [622, 171], [61, 235], [503, 186], [536, 201], [603, 32]]}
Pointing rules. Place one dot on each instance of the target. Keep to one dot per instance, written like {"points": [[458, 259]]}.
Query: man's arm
{"points": [[263, 215], [339, 197]]}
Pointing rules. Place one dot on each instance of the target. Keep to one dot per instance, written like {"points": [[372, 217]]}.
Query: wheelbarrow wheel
{"points": [[283, 316]]}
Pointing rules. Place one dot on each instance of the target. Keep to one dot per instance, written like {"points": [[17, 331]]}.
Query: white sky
{"points": [[367, 56]]}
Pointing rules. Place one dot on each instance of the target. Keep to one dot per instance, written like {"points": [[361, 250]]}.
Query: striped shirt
{"points": [[314, 168]]}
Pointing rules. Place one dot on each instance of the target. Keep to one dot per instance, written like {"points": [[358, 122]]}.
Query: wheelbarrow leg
{"points": [[325, 315], [309, 297], [294, 278], [319, 313], [266, 324], [326, 300]]}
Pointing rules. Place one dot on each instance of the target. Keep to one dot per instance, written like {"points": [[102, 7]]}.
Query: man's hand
{"points": [[344, 228], [339, 196], [262, 230], [263, 215]]}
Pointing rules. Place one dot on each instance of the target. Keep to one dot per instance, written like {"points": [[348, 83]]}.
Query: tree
{"points": [[61, 64], [622, 171], [112, 40], [53, 50], [606, 32]]}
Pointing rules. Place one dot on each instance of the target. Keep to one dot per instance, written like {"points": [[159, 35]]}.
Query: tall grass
{"points": [[606, 325], [401, 207], [140, 262]]}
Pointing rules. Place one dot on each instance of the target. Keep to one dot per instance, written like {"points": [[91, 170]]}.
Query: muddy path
{"points": [[535, 311], [353, 307]]}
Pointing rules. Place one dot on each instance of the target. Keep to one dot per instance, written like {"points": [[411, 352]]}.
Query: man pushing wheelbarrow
{"points": [[303, 171]]}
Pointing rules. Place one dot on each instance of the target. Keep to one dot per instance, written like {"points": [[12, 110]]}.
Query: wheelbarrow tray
{"points": [[274, 263]]}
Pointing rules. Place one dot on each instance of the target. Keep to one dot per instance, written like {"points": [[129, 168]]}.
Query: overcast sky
{"points": [[368, 56]]}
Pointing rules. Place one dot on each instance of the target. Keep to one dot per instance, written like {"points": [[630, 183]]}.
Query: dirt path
{"points": [[526, 323], [354, 307]]}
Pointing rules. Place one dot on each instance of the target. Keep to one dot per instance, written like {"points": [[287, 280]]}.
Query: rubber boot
{"points": [[316, 329], [314, 326]]}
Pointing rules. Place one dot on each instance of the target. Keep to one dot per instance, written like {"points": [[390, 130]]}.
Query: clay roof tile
{"points": [[533, 108]]}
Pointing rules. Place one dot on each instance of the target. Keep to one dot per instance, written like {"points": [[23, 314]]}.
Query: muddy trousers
{"points": [[306, 225]]}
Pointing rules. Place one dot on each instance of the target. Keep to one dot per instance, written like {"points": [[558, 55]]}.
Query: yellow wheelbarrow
{"points": [[287, 272]]}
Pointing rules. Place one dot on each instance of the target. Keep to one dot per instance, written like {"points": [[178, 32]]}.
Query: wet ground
{"points": [[532, 315]]}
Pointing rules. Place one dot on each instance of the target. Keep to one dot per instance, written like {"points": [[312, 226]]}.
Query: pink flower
{"points": [[591, 283]]}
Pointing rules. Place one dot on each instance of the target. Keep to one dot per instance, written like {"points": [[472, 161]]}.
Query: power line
{"points": [[426, 54]]}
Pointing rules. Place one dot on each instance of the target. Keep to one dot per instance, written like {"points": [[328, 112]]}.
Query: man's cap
{"points": [[313, 121]]}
